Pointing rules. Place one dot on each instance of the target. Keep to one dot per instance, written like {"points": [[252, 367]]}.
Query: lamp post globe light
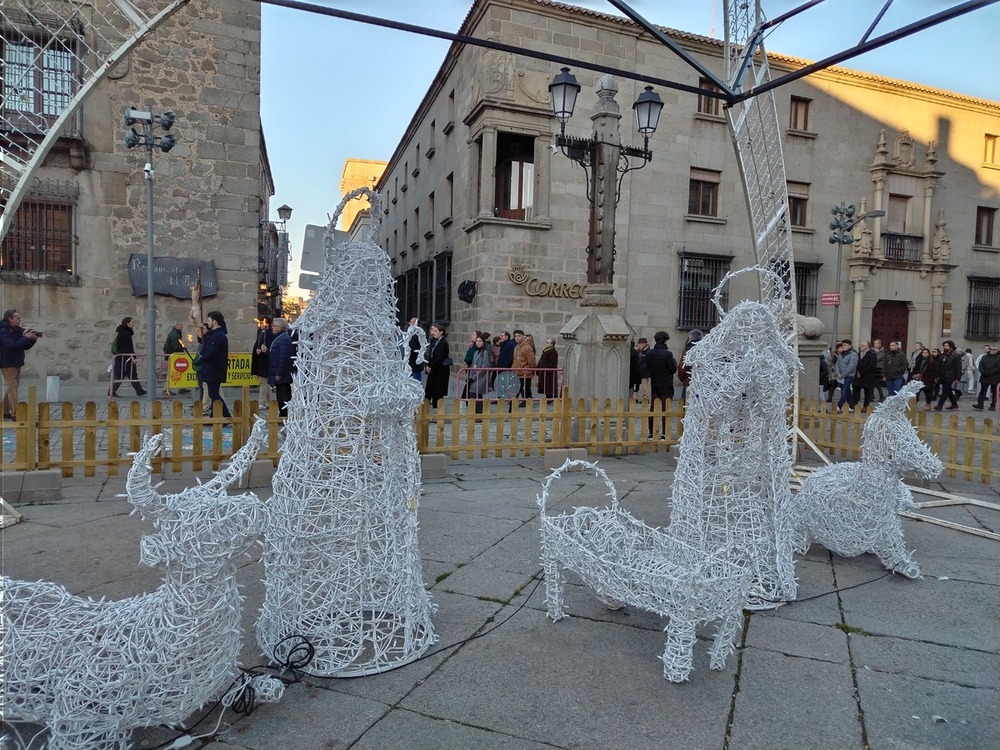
{"points": [[844, 220], [600, 367], [146, 121]]}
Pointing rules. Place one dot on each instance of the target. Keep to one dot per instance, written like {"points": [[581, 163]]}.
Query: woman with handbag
{"points": [[438, 367], [479, 373]]}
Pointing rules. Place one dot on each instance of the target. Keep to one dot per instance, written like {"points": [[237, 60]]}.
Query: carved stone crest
{"points": [[902, 150]]}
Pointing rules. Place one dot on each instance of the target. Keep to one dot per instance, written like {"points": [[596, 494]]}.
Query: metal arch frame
{"points": [[724, 91], [28, 169]]}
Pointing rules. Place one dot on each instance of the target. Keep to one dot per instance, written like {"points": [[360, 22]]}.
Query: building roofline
{"points": [[478, 8]]}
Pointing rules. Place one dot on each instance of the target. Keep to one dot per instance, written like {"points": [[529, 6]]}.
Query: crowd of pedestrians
{"points": [[947, 373], [507, 366]]}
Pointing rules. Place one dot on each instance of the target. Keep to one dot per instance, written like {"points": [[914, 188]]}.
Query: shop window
{"points": [[413, 294], [798, 203], [703, 192], [42, 237], [426, 271], [40, 77], [709, 105], [991, 152], [985, 221], [982, 320], [515, 181], [442, 287], [799, 113], [699, 276]]}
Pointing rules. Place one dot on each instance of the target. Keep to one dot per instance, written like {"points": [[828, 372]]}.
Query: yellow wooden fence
{"points": [[53, 436]]}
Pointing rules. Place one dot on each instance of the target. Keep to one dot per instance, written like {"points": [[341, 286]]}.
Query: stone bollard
{"points": [[52, 389]]}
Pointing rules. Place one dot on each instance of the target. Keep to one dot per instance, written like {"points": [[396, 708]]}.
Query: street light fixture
{"points": [[600, 333], [147, 120], [269, 266], [844, 221], [603, 148]]}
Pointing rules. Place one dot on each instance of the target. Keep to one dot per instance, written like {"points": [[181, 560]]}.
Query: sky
{"points": [[333, 89]]}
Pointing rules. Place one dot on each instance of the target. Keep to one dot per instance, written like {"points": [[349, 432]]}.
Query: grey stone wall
{"points": [[203, 64]]}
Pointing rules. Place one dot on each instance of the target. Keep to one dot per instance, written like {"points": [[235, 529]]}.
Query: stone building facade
{"points": [[475, 191], [211, 195]]}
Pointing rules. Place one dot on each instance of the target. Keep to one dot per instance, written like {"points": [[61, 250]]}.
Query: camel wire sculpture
{"points": [[93, 671]]}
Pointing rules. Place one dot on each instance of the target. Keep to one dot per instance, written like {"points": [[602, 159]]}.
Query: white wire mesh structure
{"points": [[342, 560], [417, 331], [54, 53], [94, 670], [753, 124], [627, 562], [731, 485], [850, 508]]}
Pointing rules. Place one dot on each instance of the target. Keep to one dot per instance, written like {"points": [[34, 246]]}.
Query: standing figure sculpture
{"points": [[732, 482], [341, 558]]}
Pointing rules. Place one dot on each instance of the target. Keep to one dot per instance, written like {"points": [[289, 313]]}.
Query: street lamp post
{"points": [[843, 222], [600, 368], [147, 120]]}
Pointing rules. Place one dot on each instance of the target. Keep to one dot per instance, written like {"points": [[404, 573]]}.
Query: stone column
{"points": [[598, 354], [928, 235], [937, 310], [858, 302], [487, 173]]}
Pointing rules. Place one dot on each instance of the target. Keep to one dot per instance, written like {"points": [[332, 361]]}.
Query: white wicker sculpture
{"points": [[417, 331], [342, 561], [732, 485], [94, 670], [627, 562], [850, 508]]}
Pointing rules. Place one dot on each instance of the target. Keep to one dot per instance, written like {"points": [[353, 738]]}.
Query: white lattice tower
{"points": [[753, 124], [94, 670], [54, 53], [342, 561], [731, 487]]}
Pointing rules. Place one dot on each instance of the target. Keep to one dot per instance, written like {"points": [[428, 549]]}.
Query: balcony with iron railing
{"points": [[905, 247]]}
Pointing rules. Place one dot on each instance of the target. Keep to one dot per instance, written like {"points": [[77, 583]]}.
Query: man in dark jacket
{"points": [[989, 377], [280, 365], [14, 342], [214, 360], [662, 366], [896, 366], [949, 375], [867, 374]]}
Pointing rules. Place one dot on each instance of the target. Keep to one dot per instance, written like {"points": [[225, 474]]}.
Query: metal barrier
{"points": [[124, 371], [505, 384]]}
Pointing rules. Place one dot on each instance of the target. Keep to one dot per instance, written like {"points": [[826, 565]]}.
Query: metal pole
{"points": [[150, 305], [836, 308]]}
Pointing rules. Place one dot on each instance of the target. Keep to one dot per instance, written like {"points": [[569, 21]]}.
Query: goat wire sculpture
{"points": [[850, 508], [94, 670], [732, 483], [627, 562], [342, 560]]}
